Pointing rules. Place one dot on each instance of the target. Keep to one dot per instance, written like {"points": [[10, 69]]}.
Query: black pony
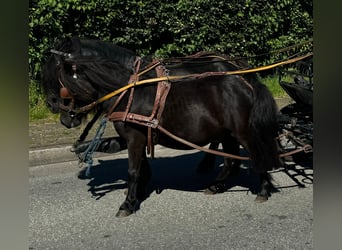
{"points": [[227, 109]]}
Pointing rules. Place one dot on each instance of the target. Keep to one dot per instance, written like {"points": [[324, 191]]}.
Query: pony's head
{"points": [[80, 71]]}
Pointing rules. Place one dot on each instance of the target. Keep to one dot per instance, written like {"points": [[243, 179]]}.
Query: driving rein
{"points": [[152, 121]]}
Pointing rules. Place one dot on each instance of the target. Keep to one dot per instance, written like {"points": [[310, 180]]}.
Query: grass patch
{"points": [[41, 112], [272, 83], [37, 107]]}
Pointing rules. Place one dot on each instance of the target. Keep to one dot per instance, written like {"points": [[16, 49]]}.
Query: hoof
{"points": [[260, 199], [123, 213], [83, 175], [208, 191], [216, 188]]}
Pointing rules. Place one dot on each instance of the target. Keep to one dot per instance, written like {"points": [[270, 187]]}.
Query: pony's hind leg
{"points": [[264, 157], [208, 162], [266, 188], [230, 167], [261, 165]]}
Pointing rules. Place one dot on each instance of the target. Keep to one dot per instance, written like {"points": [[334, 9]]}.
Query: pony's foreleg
{"points": [[138, 176]]}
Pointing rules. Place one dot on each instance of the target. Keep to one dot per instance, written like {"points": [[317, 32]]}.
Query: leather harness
{"points": [[151, 121]]}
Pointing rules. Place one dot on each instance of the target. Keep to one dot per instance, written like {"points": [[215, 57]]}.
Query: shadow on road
{"points": [[180, 173]]}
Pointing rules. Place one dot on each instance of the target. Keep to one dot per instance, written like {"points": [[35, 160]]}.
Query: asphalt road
{"points": [[67, 212]]}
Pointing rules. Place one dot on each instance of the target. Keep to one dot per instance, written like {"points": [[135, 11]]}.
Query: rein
{"points": [[163, 87], [152, 121], [175, 78]]}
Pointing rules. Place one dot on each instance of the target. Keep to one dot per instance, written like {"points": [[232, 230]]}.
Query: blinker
{"points": [[64, 93]]}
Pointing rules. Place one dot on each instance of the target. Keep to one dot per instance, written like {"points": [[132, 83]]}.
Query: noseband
{"points": [[65, 95]]}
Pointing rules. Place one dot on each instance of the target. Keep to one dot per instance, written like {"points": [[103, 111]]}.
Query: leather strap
{"points": [[152, 121]]}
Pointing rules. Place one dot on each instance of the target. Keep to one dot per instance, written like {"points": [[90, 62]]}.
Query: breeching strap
{"points": [[305, 148]]}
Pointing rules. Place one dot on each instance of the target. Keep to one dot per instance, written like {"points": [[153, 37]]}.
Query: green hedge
{"points": [[170, 28]]}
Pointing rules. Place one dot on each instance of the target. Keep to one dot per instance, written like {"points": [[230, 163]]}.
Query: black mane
{"points": [[96, 49]]}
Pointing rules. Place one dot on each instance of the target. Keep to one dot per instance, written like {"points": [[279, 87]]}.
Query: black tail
{"points": [[263, 127]]}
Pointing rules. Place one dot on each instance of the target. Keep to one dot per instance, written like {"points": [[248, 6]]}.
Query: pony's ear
{"points": [[72, 48]]}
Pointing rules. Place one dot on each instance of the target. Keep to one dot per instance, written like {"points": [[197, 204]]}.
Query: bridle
{"points": [[64, 93]]}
